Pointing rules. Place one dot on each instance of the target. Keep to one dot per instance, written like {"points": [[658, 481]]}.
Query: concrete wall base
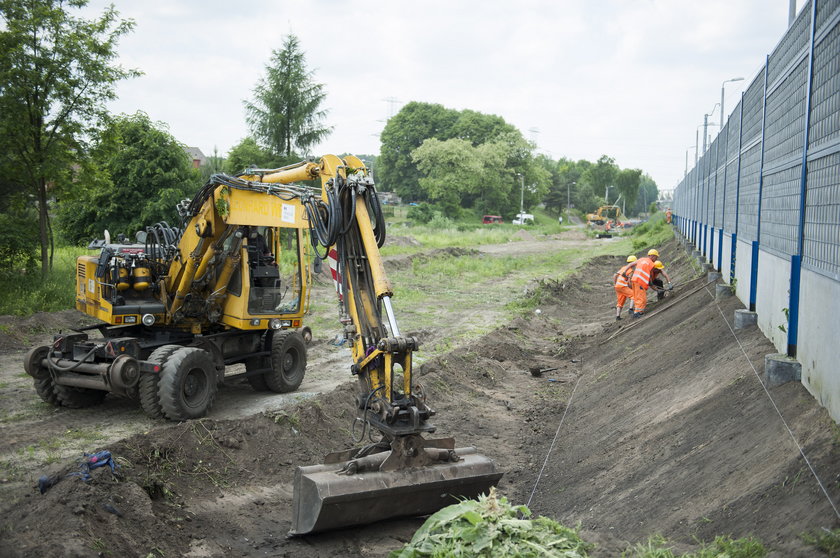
{"points": [[743, 317], [714, 276], [780, 369], [723, 291], [704, 267]]}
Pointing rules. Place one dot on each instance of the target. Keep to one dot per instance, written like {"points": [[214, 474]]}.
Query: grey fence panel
{"points": [[821, 251], [780, 211], [794, 44], [731, 207], [825, 93], [720, 187], [734, 128], [753, 105], [748, 200], [784, 136], [826, 9]]}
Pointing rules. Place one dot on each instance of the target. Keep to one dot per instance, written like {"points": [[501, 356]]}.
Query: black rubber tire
{"points": [[78, 398], [187, 385], [257, 381], [147, 387], [288, 362], [45, 388], [32, 362]]}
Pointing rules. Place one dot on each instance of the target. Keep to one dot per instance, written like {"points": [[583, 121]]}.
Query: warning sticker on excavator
{"points": [[288, 215]]}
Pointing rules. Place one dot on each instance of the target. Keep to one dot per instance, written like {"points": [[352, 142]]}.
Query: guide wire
{"points": [[778, 411], [554, 441]]}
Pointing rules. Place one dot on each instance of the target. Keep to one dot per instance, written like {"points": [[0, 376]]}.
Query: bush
{"points": [[19, 240], [654, 232], [491, 527]]}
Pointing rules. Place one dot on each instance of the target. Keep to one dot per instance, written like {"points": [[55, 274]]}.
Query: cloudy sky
{"points": [[628, 78]]}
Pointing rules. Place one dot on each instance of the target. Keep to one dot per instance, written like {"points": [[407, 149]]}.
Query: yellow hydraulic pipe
{"points": [[187, 278], [287, 176], [381, 285], [231, 262]]}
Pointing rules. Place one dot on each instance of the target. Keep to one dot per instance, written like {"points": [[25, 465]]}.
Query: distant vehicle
{"points": [[492, 219], [523, 219]]}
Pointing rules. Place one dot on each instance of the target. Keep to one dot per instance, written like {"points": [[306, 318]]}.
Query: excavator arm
{"points": [[403, 473]]}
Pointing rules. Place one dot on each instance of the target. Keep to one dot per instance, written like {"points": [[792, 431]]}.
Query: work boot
{"points": [[617, 318], [638, 314]]}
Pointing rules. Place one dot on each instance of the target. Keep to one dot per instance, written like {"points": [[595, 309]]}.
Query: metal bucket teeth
{"points": [[325, 499]]}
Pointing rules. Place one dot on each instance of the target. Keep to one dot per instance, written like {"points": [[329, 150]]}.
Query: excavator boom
{"points": [[405, 473]]}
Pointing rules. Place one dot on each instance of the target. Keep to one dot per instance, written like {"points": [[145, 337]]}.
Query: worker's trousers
{"points": [[622, 294], [639, 296]]}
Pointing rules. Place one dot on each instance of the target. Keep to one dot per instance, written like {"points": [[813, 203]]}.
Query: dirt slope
{"points": [[663, 428]]}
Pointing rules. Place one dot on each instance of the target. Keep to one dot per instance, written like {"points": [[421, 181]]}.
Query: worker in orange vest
{"points": [[668, 215], [623, 290], [640, 281]]}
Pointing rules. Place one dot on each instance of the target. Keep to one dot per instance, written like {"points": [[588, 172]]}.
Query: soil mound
{"points": [[632, 428]]}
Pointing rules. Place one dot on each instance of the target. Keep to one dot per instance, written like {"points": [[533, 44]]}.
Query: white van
{"points": [[523, 219]]}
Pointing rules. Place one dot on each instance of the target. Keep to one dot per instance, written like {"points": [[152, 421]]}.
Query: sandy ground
{"points": [[658, 425]]}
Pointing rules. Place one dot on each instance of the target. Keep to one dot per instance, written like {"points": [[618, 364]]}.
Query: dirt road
{"points": [[655, 426]]}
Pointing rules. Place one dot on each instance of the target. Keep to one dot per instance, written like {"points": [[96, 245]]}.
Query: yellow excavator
{"points": [[229, 286]]}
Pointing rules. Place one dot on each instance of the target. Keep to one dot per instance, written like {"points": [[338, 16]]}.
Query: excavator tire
{"points": [[45, 388], [257, 381], [78, 398], [148, 386], [187, 385], [288, 362]]}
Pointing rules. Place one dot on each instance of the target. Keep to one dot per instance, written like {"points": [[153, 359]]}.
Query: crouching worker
{"points": [[623, 290], [643, 268], [656, 282]]}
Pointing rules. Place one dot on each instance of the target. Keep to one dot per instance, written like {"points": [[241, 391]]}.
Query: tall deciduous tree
{"points": [[286, 112], [601, 175], [627, 182], [144, 172], [56, 73]]}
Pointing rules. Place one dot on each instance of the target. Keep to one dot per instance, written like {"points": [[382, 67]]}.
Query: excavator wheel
{"points": [[148, 386], [45, 388], [187, 385], [288, 362], [77, 397]]}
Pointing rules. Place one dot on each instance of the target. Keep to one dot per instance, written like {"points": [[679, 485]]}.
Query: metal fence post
{"points": [[796, 260]]}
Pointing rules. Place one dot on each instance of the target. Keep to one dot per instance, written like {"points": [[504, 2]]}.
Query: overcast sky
{"points": [[631, 79]]}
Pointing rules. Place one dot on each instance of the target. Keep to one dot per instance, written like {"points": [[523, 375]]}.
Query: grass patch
{"points": [[724, 546], [654, 232], [27, 291], [825, 540]]}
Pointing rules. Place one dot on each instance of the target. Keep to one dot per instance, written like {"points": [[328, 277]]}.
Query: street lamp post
{"points": [[569, 195], [721, 97], [521, 194]]}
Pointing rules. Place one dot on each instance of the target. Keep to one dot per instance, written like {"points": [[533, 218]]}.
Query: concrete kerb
{"points": [[780, 369], [744, 318]]}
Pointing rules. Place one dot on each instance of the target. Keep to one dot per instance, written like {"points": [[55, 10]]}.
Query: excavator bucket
{"points": [[366, 490]]}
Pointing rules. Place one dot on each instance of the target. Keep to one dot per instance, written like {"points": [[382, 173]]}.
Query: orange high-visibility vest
{"points": [[624, 275], [642, 275]]}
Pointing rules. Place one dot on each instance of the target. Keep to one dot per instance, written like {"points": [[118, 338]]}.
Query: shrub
{"points": [[491, 527]]}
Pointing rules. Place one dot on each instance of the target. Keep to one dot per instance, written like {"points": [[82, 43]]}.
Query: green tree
{"points": [[286, 112], [627, 181], [248, 154], [404, 132], [601, 175], [56, 73], [648, 193], [143, 174]]}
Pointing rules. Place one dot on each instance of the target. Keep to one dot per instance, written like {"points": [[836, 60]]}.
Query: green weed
{"points": [[825, 540], [657, 547]]}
